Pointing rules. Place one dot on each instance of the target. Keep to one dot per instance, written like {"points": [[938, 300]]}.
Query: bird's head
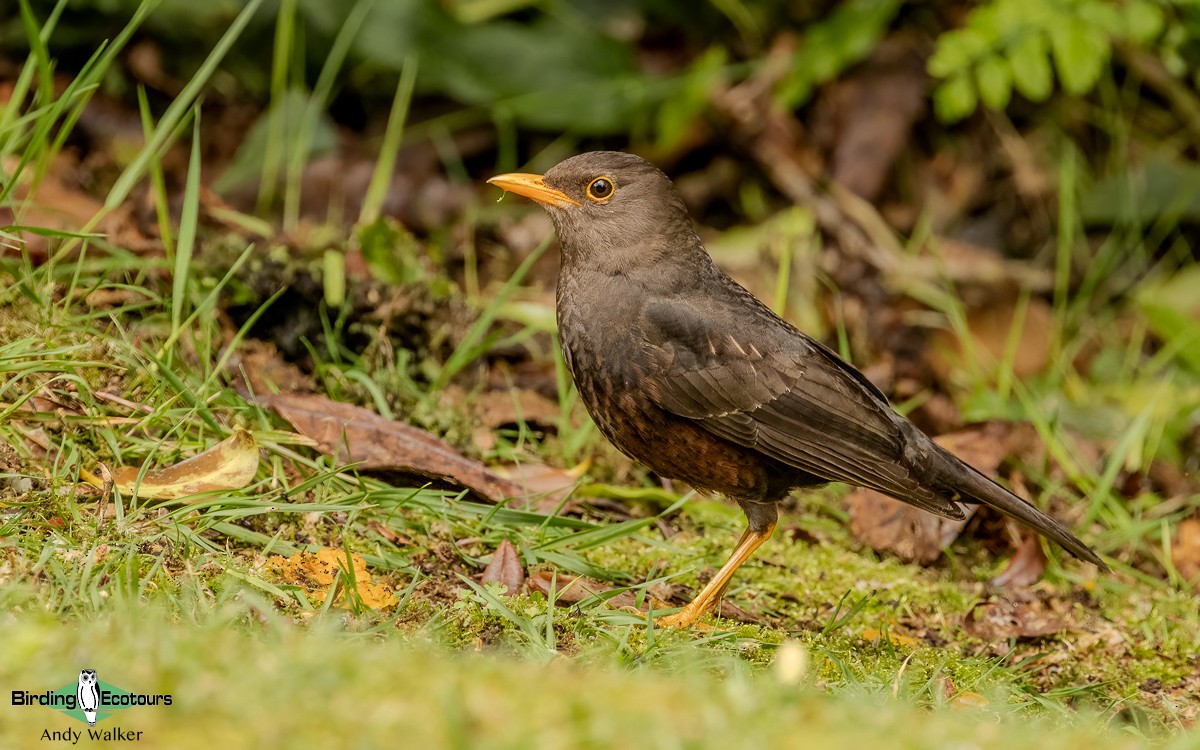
{"points": [[609, 209]]}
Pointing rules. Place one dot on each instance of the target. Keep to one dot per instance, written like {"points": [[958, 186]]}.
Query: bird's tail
{"points": [[972, 486]]}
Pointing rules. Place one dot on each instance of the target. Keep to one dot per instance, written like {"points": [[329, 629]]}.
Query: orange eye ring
{"points": [[601, 189]]}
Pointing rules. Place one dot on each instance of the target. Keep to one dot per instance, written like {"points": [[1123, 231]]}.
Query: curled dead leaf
{"points": [[505, 568], [889, 525], [1026, 566], [355, 435], [228, 465]]}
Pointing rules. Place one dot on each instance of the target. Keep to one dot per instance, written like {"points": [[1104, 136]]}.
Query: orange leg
{"points": [[711, 594]]}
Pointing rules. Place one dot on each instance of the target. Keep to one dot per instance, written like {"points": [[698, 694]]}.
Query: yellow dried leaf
{"points": [[316, 572], [228, 465], [874, 634], [968, 699]]}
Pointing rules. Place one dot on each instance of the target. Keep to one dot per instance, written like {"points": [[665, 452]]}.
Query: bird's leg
{"points": [[713, 591]]}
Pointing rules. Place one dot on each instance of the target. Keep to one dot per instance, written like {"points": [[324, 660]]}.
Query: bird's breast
{"points": [[601, 347]]}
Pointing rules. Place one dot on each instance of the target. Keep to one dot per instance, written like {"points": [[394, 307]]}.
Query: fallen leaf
{"points": [[53, 205], [499, 408], [57, 203], [889, 525], [914, 535], [969, 700], [228, 465], [568, 589], [1001, 619], [551, 485], [873, 635], [1026, 566], [1185, 551], [991, 326], [505, 568], [265, 370], [355, 435], [874, 111], [316, 572]]}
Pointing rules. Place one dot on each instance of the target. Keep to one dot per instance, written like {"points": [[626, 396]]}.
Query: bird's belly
{"points": [[669, 445]]}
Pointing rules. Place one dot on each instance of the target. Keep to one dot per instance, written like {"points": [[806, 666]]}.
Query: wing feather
{"points": [[788, 397]]}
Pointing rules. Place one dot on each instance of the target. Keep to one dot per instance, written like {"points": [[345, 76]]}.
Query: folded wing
{"points": [[783, 394]]}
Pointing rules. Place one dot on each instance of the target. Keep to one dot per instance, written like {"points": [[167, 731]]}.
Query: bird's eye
{"points": [[601, 189]]}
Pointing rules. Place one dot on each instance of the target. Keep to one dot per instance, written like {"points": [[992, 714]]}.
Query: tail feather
{"points": [[972, 486]]}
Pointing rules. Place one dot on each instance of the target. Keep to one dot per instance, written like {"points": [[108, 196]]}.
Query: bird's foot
{"points": [[689, 616], [672, 621]]}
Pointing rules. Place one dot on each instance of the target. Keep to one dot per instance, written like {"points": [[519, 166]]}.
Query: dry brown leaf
{"points": [[914, 535], [265, 370], [57, 204], [316, 572], [875, 108], [228, 465], [1026, 566], [549, 484], [569, 589], [53, 206], [505, 568], [991, 328], [498, 408], [355, 435], [1185, 550], [1001, 619]]}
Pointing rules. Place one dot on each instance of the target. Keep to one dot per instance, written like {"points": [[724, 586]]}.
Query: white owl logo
{"points": [[88, 694]]}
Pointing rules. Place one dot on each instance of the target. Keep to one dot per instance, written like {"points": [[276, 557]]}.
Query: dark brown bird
{"points": [[686, 371]]}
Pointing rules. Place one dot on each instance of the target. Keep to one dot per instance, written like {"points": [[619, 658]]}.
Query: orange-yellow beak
{"points": [[532, 186]]}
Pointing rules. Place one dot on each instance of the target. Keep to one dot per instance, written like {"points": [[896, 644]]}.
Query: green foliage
{"points": [[1172, 307], [1161, 189], [279, 126], [1021, 44], [551, 73], [833, 44], [679, 110]]}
